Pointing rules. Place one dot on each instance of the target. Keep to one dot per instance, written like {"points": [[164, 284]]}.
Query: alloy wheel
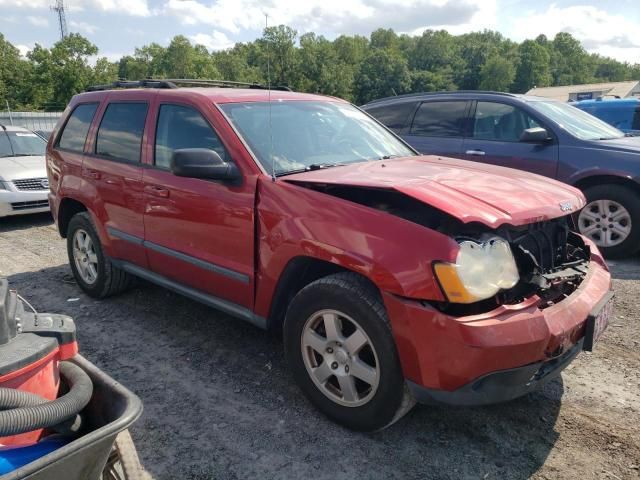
{"points": [[606, 222], [85, 257], [340, 358]]}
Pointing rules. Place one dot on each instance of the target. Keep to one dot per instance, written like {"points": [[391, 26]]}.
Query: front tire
{"points": [[339, 346], [611, 219], [93, 271]]}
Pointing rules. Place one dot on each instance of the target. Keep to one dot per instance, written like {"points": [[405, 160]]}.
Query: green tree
{"points": [[382, 73], [533, 69], [104, 72], [278, 54], [497, 74], [570, 63]]}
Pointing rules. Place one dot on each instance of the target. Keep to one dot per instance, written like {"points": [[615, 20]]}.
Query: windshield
{"points": [[578, 123], [307, 134], [21, 144]]}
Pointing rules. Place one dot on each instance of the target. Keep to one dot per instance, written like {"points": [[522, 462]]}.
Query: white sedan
{"points": [[23, 176]]}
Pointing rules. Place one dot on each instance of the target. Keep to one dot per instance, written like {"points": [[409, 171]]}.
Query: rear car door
{"points": [[199, 233], [495, 139], [114, 171], [438, 127]]}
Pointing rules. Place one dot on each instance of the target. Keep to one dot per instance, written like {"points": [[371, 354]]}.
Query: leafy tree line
{"points": [[353, 67]]}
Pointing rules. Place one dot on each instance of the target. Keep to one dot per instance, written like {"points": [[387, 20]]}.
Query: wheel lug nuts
{"points": [[334, 365], [346, 368], [329, 350]]}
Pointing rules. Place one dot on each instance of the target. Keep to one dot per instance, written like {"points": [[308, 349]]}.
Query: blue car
{"points": [[536, 134], [624, 113]]}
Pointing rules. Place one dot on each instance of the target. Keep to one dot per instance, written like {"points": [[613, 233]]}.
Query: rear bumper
{"points": [[495, 356], [501, 386]]}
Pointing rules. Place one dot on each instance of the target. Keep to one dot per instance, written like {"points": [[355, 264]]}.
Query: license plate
{"points": [[597, 321]]}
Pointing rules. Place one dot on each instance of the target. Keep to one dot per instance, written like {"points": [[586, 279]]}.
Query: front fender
{"points": [[395, 254]]}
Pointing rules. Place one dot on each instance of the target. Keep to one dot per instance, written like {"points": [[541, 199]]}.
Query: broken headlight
{"points": [[481, 270]]}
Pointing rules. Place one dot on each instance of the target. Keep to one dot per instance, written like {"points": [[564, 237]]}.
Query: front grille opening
{"points": [[552, 263], [32, 184]]}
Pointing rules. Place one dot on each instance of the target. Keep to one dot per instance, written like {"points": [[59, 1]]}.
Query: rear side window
{"points": [[75, 131], [120, 132], [394, 117], [636, 120], [440, 119], [183, 127]]}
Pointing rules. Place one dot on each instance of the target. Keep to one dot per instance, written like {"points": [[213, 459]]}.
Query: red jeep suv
{"points": [[392, 277]]}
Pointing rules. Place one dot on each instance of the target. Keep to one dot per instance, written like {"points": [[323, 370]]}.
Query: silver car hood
{"points": [[16, 168]]}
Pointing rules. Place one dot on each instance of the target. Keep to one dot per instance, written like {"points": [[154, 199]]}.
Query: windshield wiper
{"points": [[309, 168]]}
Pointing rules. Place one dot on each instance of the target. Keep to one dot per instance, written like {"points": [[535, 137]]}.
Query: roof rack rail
{"points": [[224, 83], [454, 92], [181, 82]]}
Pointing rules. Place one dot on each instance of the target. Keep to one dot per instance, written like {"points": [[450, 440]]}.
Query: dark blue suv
{"points": [[536, 134]]}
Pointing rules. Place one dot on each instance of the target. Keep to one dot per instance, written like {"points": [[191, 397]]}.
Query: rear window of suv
{"points": [[440, 119], [120, 132], [75, 131]]}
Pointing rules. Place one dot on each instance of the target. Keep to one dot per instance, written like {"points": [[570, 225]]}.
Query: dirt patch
{"points": [[219, 402]]}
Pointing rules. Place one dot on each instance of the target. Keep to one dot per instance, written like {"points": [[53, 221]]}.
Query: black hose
{"points": [[46, 415], [11, 398]]}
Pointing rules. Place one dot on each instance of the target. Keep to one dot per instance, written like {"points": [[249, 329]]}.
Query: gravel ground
{"points": [[219, 402]]}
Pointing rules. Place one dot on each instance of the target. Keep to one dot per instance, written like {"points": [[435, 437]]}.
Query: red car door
{"points": [[113, 168], [198, 233]]}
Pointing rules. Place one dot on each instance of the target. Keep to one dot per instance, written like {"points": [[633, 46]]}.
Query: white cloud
{"points": [[37, 21], [215, 41], [127, 7], [335, 16], [83, 27], [599, 31], [24, 49]]}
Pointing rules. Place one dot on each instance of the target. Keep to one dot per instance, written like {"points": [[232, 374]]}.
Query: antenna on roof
{"points": [[273, 160]]}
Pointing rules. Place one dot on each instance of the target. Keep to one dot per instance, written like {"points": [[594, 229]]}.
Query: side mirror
{"points": [[202, 163], [535, 135]]}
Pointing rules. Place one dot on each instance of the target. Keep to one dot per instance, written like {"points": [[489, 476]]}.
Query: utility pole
{"points": [[62, 20]]}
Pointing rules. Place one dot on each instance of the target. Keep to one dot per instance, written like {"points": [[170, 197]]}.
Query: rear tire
{"points": [[611, 219], [93, 271], [351, 373]]}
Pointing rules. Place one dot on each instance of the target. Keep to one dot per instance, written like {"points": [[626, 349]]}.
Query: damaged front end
{"points": [[551, 259]]}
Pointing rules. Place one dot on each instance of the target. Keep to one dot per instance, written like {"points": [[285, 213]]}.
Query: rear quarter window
{"points": [[120, 133], [395, 117], [635, 125], [74, 134]]}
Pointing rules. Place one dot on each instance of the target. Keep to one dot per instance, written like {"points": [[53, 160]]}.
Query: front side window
{"points": [[290, 136], [75, 131], [183, 127], [500, 122], [440, 119], [395, 116], [120, 132]]}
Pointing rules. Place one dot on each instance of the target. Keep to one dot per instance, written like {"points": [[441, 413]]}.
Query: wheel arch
{"points": [[593, 180], [68, 208], [299, 272]]}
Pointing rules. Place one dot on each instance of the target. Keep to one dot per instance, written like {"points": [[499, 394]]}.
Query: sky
{"points": [[117, 27]]}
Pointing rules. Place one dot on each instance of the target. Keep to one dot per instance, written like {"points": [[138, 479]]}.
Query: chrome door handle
{"points": [[478, 153]]}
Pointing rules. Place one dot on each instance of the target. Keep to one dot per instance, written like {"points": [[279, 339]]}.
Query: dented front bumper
{"points": [[508, 347]]}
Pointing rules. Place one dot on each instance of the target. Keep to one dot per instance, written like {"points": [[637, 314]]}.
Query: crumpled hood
{"points": [[469, 191], [15, 168]]}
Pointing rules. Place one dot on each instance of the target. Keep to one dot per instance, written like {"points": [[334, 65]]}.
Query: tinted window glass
{"points": [[393, 116], [497, 121], [439, 119], [75, 131], [636, 120], [183, 127], [120, 132]]}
